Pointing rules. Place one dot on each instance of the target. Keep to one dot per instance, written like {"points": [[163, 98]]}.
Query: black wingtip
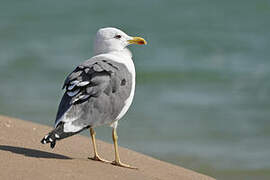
{"points": [[49, 139], [58, 134], [53, 144]]}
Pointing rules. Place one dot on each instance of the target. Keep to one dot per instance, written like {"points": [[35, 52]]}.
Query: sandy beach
{"points": [[24, 157]]}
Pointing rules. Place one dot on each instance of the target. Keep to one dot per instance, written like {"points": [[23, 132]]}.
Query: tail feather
{"points": [[58, 134]]}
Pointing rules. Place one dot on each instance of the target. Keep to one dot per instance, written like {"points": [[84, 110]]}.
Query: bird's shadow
{"points": [[32, 152]]}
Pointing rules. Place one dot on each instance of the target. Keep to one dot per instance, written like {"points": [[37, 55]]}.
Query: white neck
{"points": [[126, 53]]}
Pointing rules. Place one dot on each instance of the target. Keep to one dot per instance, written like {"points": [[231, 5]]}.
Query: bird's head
{"points": [[112, 39]]}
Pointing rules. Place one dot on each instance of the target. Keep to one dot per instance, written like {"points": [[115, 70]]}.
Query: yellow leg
{"points": [[96, 156], [117, 161]]}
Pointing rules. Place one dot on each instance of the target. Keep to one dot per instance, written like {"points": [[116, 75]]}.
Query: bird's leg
{"points": [[96, 156], [117, 161]]}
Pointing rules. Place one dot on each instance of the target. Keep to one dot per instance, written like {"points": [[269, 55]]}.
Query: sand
{"points": [[24, 157]]}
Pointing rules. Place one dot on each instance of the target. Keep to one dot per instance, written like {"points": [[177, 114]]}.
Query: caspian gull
{"points": [[99, 91]]}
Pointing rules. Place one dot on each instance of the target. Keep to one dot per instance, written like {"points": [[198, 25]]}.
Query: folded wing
{"points": [[95, 93]]}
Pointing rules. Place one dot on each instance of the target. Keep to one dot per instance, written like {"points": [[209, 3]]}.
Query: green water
{"points": [[203, 81]]}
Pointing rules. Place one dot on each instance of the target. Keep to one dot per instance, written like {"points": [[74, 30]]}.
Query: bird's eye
{"points": [[117, 36]]}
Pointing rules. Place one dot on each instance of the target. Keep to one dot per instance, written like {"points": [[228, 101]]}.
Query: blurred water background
{"points": [[203, 88]]}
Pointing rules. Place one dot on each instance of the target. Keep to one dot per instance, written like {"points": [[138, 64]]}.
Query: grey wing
{"points": [[95, 93]]}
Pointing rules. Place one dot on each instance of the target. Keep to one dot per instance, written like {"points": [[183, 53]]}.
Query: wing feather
{"points": [[92, 79]]}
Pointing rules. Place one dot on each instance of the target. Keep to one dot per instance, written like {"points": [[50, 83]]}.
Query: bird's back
{"points": [[95, 94]]}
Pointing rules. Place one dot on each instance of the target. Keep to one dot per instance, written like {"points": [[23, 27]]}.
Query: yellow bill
{"points": [[137, 40]]}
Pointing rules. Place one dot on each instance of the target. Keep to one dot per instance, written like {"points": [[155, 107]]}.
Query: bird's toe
{"points": [[120, 164], [97, 158]]}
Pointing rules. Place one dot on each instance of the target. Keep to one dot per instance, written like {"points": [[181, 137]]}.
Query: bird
{"points": [[98, 92]]}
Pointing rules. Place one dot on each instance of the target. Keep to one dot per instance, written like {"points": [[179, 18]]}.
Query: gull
{"points": [[99, 91]]}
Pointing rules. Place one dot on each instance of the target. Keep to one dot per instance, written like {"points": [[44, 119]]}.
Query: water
{"points": [[203, 91]]}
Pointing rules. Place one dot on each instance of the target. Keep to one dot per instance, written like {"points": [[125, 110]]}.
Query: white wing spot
{"points": [[71, 86], [74, 82], [85, 96], [82, 97], [50, 139], [73, 93], [84, 83], [56, 135]]}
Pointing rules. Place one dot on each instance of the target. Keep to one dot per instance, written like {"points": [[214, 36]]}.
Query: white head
{"points": [[112, 39]]}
